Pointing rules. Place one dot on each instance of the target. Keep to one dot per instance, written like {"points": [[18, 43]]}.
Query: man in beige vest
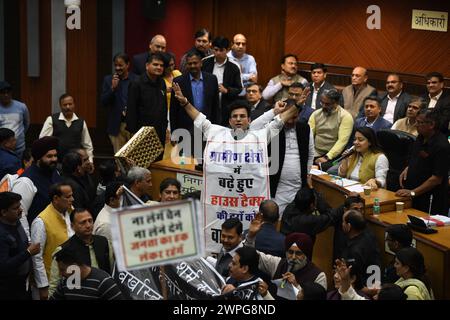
{"points": [[50, 229], [354, 94], [278, 87]]}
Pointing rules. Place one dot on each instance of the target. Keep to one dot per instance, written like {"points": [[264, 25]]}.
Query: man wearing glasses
{"points": [[425, 179], [254, 97]]}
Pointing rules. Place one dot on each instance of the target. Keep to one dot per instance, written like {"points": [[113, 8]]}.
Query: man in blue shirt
{"points": [[247, 62], [372, 118], [14, 115], [202, 90]]}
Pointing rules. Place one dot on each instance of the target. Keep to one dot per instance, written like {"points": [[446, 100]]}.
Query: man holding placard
{"points": [[236, 165]]}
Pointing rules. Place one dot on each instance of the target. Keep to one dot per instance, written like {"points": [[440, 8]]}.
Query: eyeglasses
{"points": [[325, 104], [252, 91], [294, 94], [296, 252]]}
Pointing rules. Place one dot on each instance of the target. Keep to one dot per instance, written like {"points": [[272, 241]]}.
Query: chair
{"points": [[396, 146]]}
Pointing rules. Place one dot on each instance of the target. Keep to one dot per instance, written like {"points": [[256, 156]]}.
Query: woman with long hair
{"points": [[367, 164]]}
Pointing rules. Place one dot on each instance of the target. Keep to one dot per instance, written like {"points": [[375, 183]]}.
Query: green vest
{"points": [[367, 169]]}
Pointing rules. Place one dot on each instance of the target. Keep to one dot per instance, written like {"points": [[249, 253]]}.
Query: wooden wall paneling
{"points": [[99, 136], [36, 92], [204, 14], [336, 33], [82, 63], [263, 23]]}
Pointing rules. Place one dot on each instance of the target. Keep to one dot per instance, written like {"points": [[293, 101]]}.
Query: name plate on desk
{"points": [[189, 183]]}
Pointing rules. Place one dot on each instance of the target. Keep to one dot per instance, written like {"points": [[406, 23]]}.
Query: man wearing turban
{"points": [[33, 185], [297, 267]]}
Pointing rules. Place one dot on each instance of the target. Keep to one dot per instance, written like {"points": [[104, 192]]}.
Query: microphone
{"points": [[429, 210], [289, 269], [345, 154]]}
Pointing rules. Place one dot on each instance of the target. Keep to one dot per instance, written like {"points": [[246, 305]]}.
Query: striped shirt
{"points": [[98, 285]]}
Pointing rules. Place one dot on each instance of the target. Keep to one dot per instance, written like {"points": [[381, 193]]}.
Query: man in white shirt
{"points": [[71, 130], [50, 229], [438, 99], [395, 102], [102, 225]]}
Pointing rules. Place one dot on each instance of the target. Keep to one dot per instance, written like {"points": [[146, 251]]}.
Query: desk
{"points": [[335, 195], [168, 169], [434, 247]]}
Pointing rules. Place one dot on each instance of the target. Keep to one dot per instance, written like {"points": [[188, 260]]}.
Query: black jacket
{"points": [[231, 81], [147, 106], [261, 107], [326, 86], [400, 106]]}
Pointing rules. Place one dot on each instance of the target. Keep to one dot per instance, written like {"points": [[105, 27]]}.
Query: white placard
{"points": [[147, 236]]}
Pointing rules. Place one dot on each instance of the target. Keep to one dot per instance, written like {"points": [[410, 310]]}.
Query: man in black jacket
{"points": [[15, 251], [438, 99], [318, 85], [202, 90], [228, 75], [147, 101], [309, 213], [395, 102]]}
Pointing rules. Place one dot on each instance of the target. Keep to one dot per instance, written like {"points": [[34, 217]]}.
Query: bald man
{"points": [[246, 62], [157, 44], [354, 94]]}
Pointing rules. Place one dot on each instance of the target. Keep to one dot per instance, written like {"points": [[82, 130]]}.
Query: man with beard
{"points": [[71, 130], [35, 182], [296, 268], [50, 229], [114, 98], [332, 127], [202, 46]]}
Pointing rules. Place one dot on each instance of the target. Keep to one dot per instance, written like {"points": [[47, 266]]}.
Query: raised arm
{"points": [[184, 102]]}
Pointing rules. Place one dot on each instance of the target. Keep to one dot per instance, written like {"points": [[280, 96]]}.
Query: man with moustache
{"points": [[147, 101], [114, 97], [71, 130], [354, 94], [332, 127], [244, 60], [15, 250], [297, 267], [202, 45], [35, 182], [372, 115], [438, 99], [278, 86], [395, 102], [202, 89], [258, 105], [50, 229]]}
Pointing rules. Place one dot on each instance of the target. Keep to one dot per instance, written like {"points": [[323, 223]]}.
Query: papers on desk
{"points": [[347, 182], [317, 172], [287, 291], [355, 188], [437, 221]]}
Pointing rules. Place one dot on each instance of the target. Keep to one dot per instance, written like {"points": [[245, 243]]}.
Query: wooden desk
{"points": [[434, 247], [335, 195], [168, 169]]}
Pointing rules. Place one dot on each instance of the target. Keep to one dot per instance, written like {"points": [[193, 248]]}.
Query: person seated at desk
{"points": [[367, 164], [410, 267], [409, 124]]}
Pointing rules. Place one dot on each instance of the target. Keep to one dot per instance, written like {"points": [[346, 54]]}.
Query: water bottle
{"points": [[182, 160], [376, 206]]}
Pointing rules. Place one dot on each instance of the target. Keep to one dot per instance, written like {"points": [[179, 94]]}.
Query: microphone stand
{"points": [[429, 210]]}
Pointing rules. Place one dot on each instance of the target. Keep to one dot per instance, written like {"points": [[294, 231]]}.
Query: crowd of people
{"points": [[55, 206]]}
